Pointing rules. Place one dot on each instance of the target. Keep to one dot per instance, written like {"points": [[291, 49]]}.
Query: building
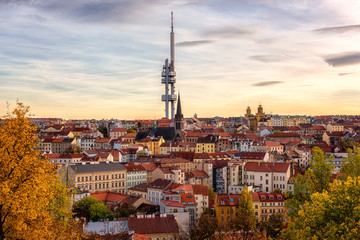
{"points": [[267, 204], [174, 174], [269, 176], [96, 176], [118, 132], [206, 144], [156, 189], [61, 145], [163, 226], [135, 174], [152, 144]]}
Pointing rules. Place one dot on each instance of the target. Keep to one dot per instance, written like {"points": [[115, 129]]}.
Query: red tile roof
{"points": [[318, 127], [188, 199], [173, 160], [134, 167], [284, 135], [199, 189], [109, 196], [172, 203], [154, 225], [197, 174], [253, 155], [119, 130], [266, 167], [160, 183], [267, 197]]}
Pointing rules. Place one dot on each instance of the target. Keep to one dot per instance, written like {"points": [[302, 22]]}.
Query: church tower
{"points": [[179, 123]]}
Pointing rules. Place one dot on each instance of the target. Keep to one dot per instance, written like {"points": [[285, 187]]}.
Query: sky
{"points": [[83, 59]]}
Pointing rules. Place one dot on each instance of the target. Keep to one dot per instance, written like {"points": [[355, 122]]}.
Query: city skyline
{"points": [[103, 59]]}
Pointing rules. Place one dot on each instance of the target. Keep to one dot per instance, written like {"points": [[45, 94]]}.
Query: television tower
{"points": [[168, 75]]}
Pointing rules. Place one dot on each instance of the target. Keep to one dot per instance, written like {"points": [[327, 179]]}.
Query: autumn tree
{"points": [[27, 190], [245, 220], [351, 164], [206, 226], [315, 179], [332, 214], [273, 226]]}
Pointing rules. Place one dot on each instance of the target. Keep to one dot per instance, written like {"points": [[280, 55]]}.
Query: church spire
{"points": [[178, 110]]}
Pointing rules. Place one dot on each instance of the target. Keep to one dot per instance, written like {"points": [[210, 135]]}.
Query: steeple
{"points": [[179, 123], [178, 109]]}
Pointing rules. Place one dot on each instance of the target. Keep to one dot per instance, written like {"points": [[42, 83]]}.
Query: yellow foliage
{"points": [[26, 192]]}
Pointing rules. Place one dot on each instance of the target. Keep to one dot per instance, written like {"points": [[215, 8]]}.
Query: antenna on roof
{"points": [[172, 22]]}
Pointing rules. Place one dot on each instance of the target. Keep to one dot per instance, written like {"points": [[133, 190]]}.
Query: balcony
{"points": [[171, 80], [170, 98]]}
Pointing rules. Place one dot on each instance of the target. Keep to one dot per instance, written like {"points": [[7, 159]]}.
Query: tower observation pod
{"points": [[168, 77]]}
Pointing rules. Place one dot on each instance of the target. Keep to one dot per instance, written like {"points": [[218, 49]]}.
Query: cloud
{"points": [[228, 32], [97, 11], [344, 74], [193, 43], [267, 83], [346, 93], [269, 58], [340, 29], [37, 18], [343, 59]]}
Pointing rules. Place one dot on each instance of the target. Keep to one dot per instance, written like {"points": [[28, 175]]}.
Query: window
{"points": [[222, 211]]}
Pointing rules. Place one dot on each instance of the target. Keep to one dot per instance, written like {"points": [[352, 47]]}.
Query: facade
{"points": [[153, 144], [118, 132], [269, 176], [156, 189], [61, 145], [206, 144], [174, 174], [267, 204], [135, 174], [102, 143], [96, 176], [87, 143]]}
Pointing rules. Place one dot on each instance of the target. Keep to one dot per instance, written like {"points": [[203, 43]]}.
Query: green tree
{"points": [[131, 130], [333, 214], [316, 179], [81, 208], [124, 210], [74, 149], [32, 205], [103, 130], [245, 220], [273, 226], [98, 211], [351, 164]]}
